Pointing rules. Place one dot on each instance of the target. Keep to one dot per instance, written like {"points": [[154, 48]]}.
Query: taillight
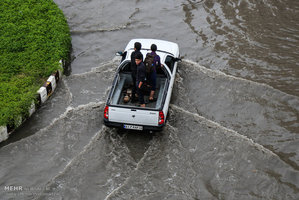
{"points": [[161, 117], [106, 112]]}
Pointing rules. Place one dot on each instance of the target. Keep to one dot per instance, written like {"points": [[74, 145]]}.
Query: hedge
{"points": [[34, 36]]}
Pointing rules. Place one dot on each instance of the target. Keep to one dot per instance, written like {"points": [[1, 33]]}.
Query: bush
{"points": [[34, 36]]}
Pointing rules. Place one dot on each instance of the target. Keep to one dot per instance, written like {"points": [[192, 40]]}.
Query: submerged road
{"points": [[233, 121]]}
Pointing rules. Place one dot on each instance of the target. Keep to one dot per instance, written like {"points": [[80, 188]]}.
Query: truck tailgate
{"points": [[133, 116]]}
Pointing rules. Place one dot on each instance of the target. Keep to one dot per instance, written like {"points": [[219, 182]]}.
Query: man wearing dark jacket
{"points": [[140, 78], [137, 48], [153, 75]]}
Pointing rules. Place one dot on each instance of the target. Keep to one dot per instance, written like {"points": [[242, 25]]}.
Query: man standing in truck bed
{"points": [[140, 79], [152, 73], [137, 48]]}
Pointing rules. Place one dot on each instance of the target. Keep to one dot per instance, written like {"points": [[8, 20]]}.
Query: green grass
{"points": [[34, 36]]}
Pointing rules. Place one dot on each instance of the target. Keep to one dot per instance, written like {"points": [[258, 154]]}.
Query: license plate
{"points": [[133, 127]]}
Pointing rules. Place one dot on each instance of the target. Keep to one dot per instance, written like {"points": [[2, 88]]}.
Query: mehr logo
{"points": [[13, 188]]}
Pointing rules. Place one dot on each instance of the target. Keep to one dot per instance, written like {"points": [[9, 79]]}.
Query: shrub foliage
{"points": [[34, 36]]}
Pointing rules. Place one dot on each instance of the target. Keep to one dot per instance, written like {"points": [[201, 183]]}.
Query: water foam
{"points": [[87, 147], [230, 131], [69, 91], [109, 29], [98, 69], [64, 115], [138, 166], [216, 73], [102, 30]]}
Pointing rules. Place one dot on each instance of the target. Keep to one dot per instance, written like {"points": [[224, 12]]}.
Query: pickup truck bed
{"points": [[125, 83]]}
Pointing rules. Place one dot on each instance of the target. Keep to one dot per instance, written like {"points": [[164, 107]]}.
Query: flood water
{"points": [[233, 128]]}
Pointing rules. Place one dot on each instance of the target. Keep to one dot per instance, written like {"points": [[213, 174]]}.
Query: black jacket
{"points": [[140, 73], [133, 64]]}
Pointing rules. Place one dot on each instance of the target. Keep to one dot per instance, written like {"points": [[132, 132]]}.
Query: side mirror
{"points": [[177, 59], [119, 53]]}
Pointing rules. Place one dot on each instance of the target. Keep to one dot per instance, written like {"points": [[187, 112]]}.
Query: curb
{"points": [[42, 95]]}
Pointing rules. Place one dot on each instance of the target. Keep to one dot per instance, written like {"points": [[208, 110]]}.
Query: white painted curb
{"points": [[42, 95], [3, 133], [52, 80], [32, 108]]}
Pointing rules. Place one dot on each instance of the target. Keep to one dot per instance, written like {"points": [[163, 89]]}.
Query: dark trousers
{"points": [[140, 94], [134, 84], [153, 80]]}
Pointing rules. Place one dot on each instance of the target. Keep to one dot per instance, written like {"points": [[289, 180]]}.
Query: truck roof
{"points": [[162, 45]]}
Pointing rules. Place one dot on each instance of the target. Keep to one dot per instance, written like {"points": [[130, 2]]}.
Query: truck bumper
{"points": [[121, 126]]}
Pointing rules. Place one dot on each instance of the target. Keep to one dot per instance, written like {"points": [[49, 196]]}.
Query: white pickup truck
{"points": [[121, 113]]}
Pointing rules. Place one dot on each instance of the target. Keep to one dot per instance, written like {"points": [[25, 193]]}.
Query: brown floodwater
{"points": [[233, 127]]}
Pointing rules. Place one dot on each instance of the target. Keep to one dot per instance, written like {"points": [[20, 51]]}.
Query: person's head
{"points": [[154, 47], [138, 58], [137, 46]]}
